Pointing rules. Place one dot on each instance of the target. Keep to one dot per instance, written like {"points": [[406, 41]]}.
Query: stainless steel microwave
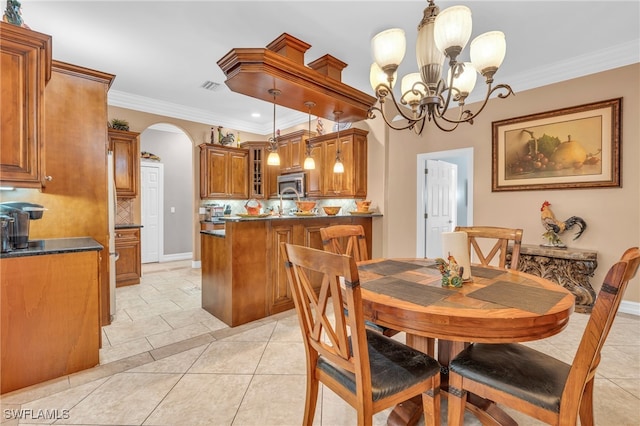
{"points": [[291, 185]]}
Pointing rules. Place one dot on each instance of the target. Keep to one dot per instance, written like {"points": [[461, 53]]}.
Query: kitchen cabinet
{"points": [[25, 69], [243, 274], [125, 146], [211, 226], [129, 263], [224, 172], [292, 150], [322, 182], [261, 176], [50, 317]]}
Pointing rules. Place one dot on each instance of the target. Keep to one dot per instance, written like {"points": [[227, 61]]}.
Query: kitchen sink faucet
{"points": [[289, 189]]}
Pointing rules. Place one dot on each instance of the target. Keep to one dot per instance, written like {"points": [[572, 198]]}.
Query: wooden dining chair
{"points": [[497, 236], [351, 241], [368, 370], [537, 384], [345, 239]]}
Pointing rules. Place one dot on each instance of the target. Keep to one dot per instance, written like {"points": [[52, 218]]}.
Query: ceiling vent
{"points": [[210, 85]]}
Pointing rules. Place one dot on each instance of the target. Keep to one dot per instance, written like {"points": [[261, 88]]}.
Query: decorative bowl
{"points": [[305, 206], [331, 210], [253, 207], [363, 206]]}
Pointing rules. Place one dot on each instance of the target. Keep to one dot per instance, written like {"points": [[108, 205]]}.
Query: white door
{"points": [[151, 176], [440, 208]]}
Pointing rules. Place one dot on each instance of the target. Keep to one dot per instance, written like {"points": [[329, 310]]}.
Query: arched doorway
{"points": [[173, 206]]}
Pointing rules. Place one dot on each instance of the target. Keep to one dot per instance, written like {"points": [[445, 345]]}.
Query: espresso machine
{"points": [[19, 215]]}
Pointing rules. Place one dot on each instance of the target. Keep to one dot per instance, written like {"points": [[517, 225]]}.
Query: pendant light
{"points": [[338, 167], [309, 162], [273, 159]]}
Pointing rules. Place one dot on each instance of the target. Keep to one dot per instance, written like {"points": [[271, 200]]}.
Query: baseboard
{"points": [[632, 308], [196, 264], [176, 256]]}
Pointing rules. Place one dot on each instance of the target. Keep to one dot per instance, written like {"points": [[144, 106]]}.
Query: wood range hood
{"points": [[254, 71]]}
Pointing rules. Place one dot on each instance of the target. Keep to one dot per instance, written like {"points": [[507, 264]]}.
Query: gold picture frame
{"points": [[576, 147]]}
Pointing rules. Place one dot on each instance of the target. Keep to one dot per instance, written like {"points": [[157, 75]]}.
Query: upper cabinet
{"points": [[322, 182], [291, 149], [224, 172], [261, 177], [126, 161], [25, 69]]}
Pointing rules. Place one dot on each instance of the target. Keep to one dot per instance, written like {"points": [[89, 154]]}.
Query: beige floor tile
{"points": [[202, 399], [124, 399], [230, 357], [283, 358], [178, 363], [176, 335], [119, 332], [124, 350], [273, 400]]}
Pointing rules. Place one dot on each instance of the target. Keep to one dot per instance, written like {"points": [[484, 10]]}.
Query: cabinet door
{"points": [[280, 298], [315, 182], [126, 160], [25, 67], [129, 264], [238, 174], [213, 173]]}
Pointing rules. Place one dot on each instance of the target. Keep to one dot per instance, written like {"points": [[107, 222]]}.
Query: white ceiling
{"points": [[163, 51]]}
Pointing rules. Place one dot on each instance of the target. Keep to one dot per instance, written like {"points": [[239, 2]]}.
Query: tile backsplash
{"points": [[124, 211]]}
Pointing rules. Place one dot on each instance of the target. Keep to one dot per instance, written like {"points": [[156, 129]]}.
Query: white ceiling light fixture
{"points": [[309, 162], [441, 35], [273, 159]]}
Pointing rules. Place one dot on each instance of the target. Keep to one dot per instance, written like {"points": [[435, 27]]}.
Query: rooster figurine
{"points": [[555, 227]]}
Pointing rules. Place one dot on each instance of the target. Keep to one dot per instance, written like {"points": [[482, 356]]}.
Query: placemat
{"points": [[390, 267], [405, 290], [480, 272], [524, 297]]}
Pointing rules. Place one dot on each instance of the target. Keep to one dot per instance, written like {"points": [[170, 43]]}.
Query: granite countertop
{"points": [[284, 217], [127, 225], [55, 246]]}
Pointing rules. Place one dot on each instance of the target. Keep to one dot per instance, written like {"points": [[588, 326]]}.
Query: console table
{"points": [[568, 267]]}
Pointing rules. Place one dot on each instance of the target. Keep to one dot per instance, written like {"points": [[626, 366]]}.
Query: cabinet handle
{"points": [[48, 178]]}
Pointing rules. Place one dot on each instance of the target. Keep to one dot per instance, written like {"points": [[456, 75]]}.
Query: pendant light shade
{"points": [[488, 51], [273, 159], [453, 30], [389, 48], [466, 80]]}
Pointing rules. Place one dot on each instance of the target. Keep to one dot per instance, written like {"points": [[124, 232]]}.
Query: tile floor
{"points": [[165, 361]]}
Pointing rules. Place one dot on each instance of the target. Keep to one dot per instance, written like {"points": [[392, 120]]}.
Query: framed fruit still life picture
{"points": [[576, 147]]}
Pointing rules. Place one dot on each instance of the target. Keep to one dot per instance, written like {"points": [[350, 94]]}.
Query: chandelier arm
{"points": [[411, 123], [382, 90], [468, 116], [444, 129]]}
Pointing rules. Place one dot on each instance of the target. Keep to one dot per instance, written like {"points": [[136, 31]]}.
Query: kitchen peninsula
{"points": [[243, 276]]}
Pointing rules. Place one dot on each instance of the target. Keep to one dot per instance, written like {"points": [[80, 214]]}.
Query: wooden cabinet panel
{"points": [[49, 317], [291, 149], [280, 294], [129, 263], [25, 68], [224, 172], [322, 182], [126, 160], [262, 178]]}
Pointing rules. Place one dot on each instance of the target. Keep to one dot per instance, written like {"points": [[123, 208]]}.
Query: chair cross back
{"points": [[502, 236], [556, 393], [368, 370], [345, 239]]}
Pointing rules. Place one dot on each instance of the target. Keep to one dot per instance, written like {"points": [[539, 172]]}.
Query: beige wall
{"points": [[612, 215]]}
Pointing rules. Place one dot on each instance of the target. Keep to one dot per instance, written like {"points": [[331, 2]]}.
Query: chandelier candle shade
{"points": [[441, 35]]}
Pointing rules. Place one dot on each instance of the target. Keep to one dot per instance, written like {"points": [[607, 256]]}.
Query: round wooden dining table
{"points": [[495, 306]]}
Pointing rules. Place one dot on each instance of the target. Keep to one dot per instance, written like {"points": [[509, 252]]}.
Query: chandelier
{"points": [[425, 95]]}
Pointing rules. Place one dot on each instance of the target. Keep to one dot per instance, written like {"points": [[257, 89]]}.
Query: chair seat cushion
{"points": [[515, 369], [394, 367]]}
